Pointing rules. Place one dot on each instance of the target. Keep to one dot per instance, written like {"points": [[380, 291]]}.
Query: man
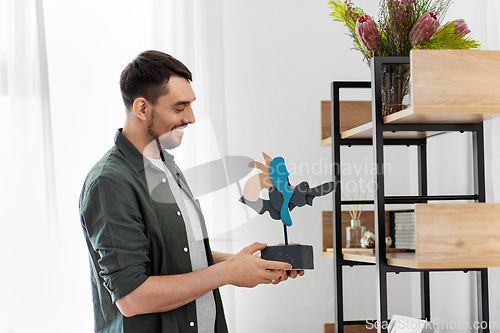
{"points": [[151, 270]]}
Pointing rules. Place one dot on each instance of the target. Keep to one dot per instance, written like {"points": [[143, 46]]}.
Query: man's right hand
{"points": [[246, 270], [167, 292]]}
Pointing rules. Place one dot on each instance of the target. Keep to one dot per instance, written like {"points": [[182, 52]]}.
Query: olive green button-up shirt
{"points": [[134, 231]]}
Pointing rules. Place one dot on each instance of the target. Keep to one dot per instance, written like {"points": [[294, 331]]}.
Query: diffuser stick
{"points": [[361, 209], [349, 208]]}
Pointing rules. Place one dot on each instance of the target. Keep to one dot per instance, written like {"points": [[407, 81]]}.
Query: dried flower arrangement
{"points": [[403, 25]]}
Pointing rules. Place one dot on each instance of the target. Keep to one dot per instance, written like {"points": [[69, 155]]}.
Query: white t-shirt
{"points": [[205, 305]]}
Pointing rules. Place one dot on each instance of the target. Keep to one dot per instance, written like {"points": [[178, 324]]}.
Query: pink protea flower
{"points": [[367, 33], [461, 27], [423, 29]]}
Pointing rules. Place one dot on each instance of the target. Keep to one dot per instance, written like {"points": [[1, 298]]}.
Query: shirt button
{"points": [[191, 324], [164, 180], [186, 249], [179, 213]]}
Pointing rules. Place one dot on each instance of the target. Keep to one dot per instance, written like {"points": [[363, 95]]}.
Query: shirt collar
{"points": [[129, 151], [138, 160]]}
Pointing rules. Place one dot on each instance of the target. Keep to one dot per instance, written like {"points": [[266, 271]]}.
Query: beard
{"points": [[163, 140]]}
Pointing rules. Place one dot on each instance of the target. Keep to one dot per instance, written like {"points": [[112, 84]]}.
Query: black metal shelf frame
{"points": [[412, 199], [378, 143]]}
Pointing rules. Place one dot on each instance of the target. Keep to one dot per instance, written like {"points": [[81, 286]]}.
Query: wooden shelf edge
{"points": [[421, 115], [362, 328], [442, 115], [359, 132], [401, 117], [408, 260]]}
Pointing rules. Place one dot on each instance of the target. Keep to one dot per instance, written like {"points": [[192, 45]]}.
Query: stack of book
{"points": [[404, 227]]}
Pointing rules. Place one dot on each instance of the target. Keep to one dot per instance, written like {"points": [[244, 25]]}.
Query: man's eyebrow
{"points": [[184, 102]]}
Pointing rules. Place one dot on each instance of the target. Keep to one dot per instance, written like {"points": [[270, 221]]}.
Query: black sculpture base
{"points": [[299, 256]]}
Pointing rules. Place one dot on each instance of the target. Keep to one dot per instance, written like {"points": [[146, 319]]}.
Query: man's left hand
{"points": [[286, 274], [292, 273]]}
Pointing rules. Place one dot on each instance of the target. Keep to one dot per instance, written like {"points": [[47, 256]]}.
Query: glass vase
{"points": [[354, 233], [395, 88]]}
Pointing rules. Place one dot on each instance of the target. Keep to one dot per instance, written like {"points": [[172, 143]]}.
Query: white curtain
{"points": [[52, 140], [29, 238]]}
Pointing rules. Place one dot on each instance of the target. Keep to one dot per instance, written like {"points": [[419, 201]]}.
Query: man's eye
{"points": [[179, 110]]}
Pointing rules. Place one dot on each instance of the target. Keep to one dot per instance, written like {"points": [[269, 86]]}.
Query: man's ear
{"points": [[140, 108]]}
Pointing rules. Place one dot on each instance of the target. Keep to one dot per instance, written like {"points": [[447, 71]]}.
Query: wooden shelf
{"points": [[362, 127], [409, 260], [447, 87], [445, 239], [406, 116], [330, 328], [367, 219], [402, 117]]}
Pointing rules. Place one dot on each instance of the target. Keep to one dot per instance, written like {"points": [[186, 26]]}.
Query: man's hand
{"points": [[289, 273], [246, 270], [168, 292]]}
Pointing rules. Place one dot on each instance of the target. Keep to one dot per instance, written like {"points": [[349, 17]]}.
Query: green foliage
{"points": [[438, 7], [394, 29], [445, 38], [346, 13]]}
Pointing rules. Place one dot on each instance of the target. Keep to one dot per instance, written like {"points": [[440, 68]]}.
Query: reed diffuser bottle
{"points": [[354, 233]]}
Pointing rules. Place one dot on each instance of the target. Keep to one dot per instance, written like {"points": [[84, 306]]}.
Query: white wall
{"points": [[279, 60]]}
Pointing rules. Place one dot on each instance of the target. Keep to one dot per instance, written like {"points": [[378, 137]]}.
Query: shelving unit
{"points": [[434, 252], [451, 91]]}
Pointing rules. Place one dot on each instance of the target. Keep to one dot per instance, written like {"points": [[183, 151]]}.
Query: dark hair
{"points": [[147, 76]]}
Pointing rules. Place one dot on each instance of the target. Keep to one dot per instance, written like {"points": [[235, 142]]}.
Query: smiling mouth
{"points": [[179, 129]]}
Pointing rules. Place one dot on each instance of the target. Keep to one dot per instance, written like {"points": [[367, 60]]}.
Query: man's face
{"points": [[172, 113]]}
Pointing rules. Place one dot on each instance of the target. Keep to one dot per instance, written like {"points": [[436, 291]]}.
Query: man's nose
{"points": [[189, 117]]}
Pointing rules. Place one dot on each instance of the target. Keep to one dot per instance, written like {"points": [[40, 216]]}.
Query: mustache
{"points": [[179, 126]]}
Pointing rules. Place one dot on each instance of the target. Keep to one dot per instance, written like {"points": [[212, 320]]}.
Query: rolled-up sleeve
{"points": [[113, 223]]}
